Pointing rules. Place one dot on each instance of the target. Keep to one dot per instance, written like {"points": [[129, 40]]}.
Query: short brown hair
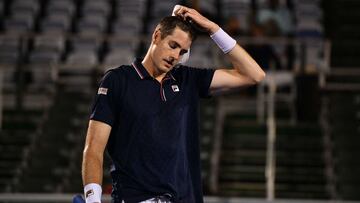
{"points": [[168, 24]]}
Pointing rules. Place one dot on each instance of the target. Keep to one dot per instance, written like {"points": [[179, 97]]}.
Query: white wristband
{"points": [[92, 193], [223, 40]]}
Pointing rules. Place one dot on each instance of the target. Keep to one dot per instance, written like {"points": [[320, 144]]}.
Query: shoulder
{"points": [[123, 69], [118, 72], [191, 73], [116, 76], [183, 69]]}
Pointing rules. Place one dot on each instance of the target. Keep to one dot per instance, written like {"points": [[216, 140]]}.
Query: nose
{"points": [[176, 54]]}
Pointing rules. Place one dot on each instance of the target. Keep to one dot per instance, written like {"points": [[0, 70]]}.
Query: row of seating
{"points": [[120, 17], [83, 17], [46, 49]]}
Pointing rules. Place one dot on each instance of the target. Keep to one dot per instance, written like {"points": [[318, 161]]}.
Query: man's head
{"points": [[171, 39]]}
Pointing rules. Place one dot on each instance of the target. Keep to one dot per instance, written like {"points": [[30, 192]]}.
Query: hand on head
{"points": [[194, 16]]}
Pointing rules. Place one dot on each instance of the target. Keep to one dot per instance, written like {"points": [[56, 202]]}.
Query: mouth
{"points": [[168, 64]]}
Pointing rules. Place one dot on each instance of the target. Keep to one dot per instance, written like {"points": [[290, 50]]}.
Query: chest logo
{"points": [[175, 88], [102, 91]]}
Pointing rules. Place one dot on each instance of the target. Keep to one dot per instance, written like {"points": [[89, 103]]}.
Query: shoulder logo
{"points": [[175, 88], [102, 90]]}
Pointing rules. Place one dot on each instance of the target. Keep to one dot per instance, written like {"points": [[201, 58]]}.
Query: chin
{"points": [[166, 69], [162, 68]]}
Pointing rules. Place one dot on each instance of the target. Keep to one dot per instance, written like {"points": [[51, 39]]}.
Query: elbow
{"points": [[92, 157], [91, 153], [260, 77]]}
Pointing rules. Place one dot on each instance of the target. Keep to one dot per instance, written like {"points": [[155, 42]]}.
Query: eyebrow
{"points": [[178, 45]]}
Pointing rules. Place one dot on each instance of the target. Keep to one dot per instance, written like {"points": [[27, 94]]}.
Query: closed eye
{"points": [[174, 45]]}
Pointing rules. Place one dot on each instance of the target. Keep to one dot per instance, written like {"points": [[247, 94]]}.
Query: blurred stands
{"points": [[341, 21], [340, 120], [340, 100]]}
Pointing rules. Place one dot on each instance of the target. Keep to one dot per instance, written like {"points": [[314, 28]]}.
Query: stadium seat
{"points": [[92, 25], [97, 8], [47, 49], [61, 7], [118, 57], [135, 8], [19, 23], [25, 6], [116, 43], [50, 42], [86, 43], [126, 29], [309, 16], [308, 11], [82, 57], [309, 28], [56, 23], [9, 49]]}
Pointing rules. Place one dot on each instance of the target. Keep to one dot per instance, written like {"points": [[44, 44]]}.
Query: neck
{"points": [[150, 66]]}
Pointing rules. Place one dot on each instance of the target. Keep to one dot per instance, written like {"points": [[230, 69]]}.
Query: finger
{"points": [[191, 16], [183, 10], [178, 13]]}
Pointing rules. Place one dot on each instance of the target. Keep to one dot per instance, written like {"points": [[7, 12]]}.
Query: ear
{"points": [[156, 37]]}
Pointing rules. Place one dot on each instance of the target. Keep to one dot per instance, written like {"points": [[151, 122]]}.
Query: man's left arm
{"points": [[245, 70]]}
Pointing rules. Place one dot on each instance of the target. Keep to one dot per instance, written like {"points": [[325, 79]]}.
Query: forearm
{"points": [[245, 64], [242, 62], [93, 155], [92, 167]]}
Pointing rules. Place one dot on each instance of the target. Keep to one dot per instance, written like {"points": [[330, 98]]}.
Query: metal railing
{"points": [[270, 170]]}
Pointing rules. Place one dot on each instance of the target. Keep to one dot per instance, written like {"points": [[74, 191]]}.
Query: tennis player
{"points": [[145, 115]]}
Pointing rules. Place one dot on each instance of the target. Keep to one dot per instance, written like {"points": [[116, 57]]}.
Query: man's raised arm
{"points": [[245, 70]]}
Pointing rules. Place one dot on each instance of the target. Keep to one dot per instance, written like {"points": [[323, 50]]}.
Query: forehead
{"points": [[181, 37]]}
